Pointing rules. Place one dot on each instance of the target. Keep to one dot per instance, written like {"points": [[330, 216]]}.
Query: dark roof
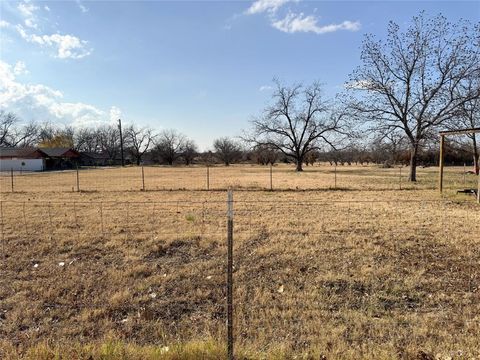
{"points": [[23, 152], [59, 152]]}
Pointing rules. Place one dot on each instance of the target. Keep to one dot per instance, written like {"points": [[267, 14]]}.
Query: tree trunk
{"points": [[299, 165], [413, 163], [476, 165]]}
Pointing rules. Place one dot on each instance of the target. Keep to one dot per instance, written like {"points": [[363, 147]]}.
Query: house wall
{"points": [[22, 164]]}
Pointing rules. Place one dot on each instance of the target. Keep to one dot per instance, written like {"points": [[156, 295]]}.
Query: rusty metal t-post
{"points": [[442, 148], [271, 177], [143, 179], [11, 176], [78, 180], [230, 274]]}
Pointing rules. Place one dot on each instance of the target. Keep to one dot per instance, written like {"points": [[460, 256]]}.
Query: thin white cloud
{"points": [[46, 8], [28, 10], [20, 68], [82, 7], [265, 88], [42, 103], [270, 6], [4, 24], [67, 46], [293, 23]]}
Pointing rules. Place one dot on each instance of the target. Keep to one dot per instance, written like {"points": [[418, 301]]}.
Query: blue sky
{"points": [[204, 68]]}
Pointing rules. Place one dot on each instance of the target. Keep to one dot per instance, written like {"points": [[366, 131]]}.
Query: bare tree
{"points": [[138, 141], [108, 138], [190, 150], [297, 122], [12, 133], [227, 150], [469, 116], [86, 139], [169, 145], [410, 82]]}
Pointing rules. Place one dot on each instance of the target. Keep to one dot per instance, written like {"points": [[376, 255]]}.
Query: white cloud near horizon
{"points": [[66, 46], [42, 103], [293, 23]]}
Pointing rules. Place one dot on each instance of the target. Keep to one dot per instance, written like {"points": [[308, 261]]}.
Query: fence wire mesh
{"points": [[307, 273]]}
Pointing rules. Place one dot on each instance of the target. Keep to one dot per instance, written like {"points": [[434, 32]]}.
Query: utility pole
{"points": [[121, 141]]}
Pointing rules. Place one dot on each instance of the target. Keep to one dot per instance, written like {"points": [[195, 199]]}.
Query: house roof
{"points": [[22, 152], [60, 152]]}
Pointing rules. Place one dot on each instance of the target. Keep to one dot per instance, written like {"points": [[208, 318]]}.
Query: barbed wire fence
{"points": [[151, 178], [61, 258]]}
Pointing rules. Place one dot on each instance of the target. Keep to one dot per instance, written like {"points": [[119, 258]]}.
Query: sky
{"points": [[204, 68]]}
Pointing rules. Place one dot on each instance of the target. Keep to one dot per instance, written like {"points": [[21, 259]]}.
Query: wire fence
{"points": [[153, 178], [306, 273]]}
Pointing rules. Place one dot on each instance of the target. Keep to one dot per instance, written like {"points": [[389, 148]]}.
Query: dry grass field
{"points": [[245, 177], [366, 271]]}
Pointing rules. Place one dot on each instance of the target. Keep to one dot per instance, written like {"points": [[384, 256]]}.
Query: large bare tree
{"points": [[138, 141], [227, 150], [12, 133], [410, 82], [108, 137], [298, 122], [469, 116], [169, 146]]}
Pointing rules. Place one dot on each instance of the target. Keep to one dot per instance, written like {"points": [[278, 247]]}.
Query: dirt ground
{"points": [[362, 271]]}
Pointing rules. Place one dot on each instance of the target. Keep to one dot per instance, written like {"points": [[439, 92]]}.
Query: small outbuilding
{"points": [[61, 158], [22, 159]]}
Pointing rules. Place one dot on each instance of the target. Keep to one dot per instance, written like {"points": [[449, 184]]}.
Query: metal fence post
{"points": [[11, 176], [208, 177], [143, 180], [271, 177], [400, 178], [78, 180], [335, 175], [230, 274]]}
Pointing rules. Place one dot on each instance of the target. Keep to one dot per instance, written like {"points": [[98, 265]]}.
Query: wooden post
{"points": [[442, 148], [143, 180], [11, 176], [230, 274], [478, 190]]}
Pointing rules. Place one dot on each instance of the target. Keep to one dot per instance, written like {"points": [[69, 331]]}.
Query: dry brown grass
{"points": [[247, 177], [342, 274]]}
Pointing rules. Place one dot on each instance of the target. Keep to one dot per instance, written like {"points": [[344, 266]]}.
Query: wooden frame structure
{"points": [[442, 151]]}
